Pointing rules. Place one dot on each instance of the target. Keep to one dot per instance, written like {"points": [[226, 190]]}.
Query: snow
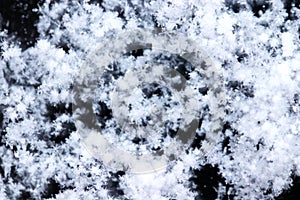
{"points": [[288, 45], [252, 77]]}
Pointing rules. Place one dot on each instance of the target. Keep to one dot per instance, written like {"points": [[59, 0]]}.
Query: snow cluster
{"points": [[256, 50]]}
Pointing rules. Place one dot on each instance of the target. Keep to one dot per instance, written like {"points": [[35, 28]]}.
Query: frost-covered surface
{"points": [[258, 155]]}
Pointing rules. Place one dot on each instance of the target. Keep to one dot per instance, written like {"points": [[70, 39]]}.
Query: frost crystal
{"points": [[249, 102]]}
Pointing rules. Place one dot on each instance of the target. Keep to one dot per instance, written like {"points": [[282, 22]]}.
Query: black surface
{"points": [[205, 182], [51, 189], [259, 7], [55, 110], [113, 185], [19, 19], [292, 193], [240, 87], [289, 5]]}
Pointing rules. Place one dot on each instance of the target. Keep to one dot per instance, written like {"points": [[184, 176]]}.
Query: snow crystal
{"points": [[247, 91]]}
